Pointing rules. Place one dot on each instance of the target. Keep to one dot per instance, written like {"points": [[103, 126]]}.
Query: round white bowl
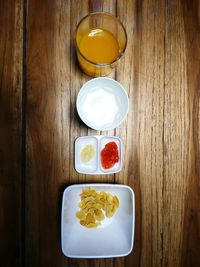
{"points": [[102, 104]]}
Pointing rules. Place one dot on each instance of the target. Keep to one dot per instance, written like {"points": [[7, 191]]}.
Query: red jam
{"points": [[109, 155]]}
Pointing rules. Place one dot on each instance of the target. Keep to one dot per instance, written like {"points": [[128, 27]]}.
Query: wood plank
{"points": [[11, 33], [177, 142], [191, 224], [53, 81], [142, 74], [49, 108], [78, 128]]}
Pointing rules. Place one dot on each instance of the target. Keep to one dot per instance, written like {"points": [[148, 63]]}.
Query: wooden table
{"points": [[39, 82]]}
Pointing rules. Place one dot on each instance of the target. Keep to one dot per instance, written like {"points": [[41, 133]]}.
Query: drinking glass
{"points": [[109, 40]]}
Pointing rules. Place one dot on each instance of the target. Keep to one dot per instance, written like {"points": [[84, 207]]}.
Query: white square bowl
{"points": [[113, 239]]}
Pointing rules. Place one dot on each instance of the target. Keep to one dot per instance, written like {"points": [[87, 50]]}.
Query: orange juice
{"points": [[100, 43], [99, 46]]}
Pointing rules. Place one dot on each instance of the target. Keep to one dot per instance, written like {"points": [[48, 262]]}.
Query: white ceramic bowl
{"points": [[113, 239], [102, 104]]}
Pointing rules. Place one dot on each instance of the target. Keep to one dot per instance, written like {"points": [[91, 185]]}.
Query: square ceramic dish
{"points": [[114, 238], [94, 166]]}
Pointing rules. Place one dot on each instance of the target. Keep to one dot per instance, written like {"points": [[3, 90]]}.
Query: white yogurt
{"points": [[102, 103], [100, 107]]}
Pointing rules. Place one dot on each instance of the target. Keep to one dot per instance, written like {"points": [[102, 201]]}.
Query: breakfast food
{"points": [[95, 206], [99, 106], [99, 46], [87, 153], [109, 155]]}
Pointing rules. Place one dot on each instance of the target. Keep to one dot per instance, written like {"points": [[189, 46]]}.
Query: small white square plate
{"points": [[113, 239], [94, 166]]}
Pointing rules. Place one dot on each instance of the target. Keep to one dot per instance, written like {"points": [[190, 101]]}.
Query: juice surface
{"points": [[99, 46]]}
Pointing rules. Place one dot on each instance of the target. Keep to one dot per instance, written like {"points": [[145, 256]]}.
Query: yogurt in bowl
{"points": [[102, 104]]}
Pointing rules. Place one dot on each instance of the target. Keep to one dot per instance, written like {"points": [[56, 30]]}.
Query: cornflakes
{"points": [[95, 206]]}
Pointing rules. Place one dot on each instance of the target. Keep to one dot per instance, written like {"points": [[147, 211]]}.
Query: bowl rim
{"points": [[90, 124], [98, 185]]}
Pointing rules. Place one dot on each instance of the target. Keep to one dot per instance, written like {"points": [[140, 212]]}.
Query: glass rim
{"points": [[120, 54]]}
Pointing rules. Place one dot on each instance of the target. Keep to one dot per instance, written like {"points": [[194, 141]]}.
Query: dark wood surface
{"points": [[39, 82], [11, 71]]}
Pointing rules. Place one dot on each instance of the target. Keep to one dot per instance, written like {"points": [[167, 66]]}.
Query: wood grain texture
{"points": [[143, 77], [191, 224], [48, 128], [161, 134], [11, 21]]}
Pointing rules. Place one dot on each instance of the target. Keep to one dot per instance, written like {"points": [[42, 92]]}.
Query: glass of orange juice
{"points": [[100, 42]]}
